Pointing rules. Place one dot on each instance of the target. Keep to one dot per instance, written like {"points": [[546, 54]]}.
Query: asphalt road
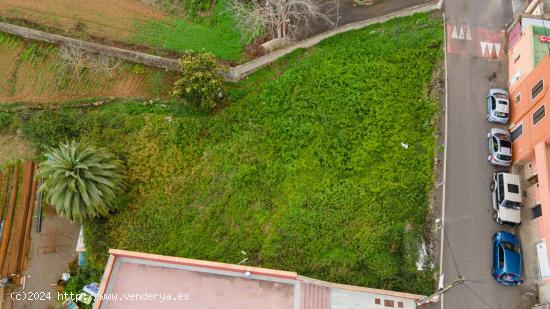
{"points": [[350, 12], [468, 223]]}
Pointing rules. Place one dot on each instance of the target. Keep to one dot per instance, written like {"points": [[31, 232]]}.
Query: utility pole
{"points": [[434, 298]]}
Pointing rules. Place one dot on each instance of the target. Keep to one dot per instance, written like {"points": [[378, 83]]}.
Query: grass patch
{"points": [[219, 37], [304, 171]]}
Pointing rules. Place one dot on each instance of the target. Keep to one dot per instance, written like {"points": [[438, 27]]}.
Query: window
{"points": [[505, 144], [400, 304], [513, 188], [516, 58], [511, 247], [537, 89], [495, 144], [538, 115], [377, 301], [389, 303], [533, 180], [500, 188], [500, 257], [516, 133], [536, 211], [518, 98]]}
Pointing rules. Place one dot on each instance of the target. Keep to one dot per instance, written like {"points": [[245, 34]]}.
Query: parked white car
{"points": [[506, 192]]}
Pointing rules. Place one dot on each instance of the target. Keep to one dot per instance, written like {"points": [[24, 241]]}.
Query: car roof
{"points": [[512, 262], [504, 150]]}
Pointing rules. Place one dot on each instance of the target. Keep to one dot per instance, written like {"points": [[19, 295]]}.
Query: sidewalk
{"points": [[528, 233], [51, 252]]}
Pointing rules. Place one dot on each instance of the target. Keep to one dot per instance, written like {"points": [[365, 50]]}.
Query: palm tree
{"points": [[81, 181]]}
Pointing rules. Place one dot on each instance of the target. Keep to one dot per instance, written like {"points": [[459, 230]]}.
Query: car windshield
{"points": [[502, 115], [501, 96], [505, 144], [504, 157], [511, 247], [511, 205]]}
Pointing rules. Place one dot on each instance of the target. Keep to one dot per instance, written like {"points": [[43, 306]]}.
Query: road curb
{"points": [[446, 117]]}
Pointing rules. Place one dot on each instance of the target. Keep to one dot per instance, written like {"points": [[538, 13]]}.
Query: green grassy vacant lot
{"points": [[303, 171]]}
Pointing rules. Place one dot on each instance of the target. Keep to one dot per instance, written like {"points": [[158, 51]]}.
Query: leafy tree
{"points": [[81, 181], [200, 84]]}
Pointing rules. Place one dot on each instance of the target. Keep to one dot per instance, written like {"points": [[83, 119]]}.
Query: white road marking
{"points": [[483, 47], [497, 46], [468, 34], [461, 35], [490, 47], [454, 35]]}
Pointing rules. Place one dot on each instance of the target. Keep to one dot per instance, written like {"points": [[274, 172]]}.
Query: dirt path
{"points": [[47, 262]]}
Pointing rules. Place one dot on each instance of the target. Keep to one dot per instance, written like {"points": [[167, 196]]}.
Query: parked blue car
{"points": [[507, 258]]}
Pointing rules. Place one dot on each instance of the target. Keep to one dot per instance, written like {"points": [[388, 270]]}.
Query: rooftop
{"points": [[140, 280]]}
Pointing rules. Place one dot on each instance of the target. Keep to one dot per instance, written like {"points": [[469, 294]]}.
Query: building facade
{"points": [[529, 80]]}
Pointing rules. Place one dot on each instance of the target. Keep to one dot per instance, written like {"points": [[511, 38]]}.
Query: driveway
{"points": [[476, 61]]}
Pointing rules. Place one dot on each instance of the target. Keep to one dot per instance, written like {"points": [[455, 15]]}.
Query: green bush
{"points": [[84, 276], [47, 128], [200, 84]]}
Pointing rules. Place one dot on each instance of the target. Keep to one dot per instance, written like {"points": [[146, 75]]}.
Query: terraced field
{"points": [[35, 72]]}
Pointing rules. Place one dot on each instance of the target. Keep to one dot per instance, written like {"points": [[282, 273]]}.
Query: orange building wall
{"points": [[525, 63], [543, 192], [522, 112]]}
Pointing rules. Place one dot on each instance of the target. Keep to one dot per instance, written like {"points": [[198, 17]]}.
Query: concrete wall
{"points": [[128, 55]]}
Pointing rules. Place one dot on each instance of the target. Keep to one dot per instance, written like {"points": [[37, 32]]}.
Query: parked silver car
{"points": [[498, 106], [500, 147]]}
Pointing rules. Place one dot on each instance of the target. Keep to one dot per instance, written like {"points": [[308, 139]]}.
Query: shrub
{"points": [[6, 121], [81, 181], [46, 128], [84, 275], [200, 85]]}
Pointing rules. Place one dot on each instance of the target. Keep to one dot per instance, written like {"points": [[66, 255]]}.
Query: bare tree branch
{"points": [[282, 18], [74, 58], [105, 63]]}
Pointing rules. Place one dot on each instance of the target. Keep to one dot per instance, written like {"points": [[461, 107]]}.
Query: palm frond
{"points": [[81, 181]]}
